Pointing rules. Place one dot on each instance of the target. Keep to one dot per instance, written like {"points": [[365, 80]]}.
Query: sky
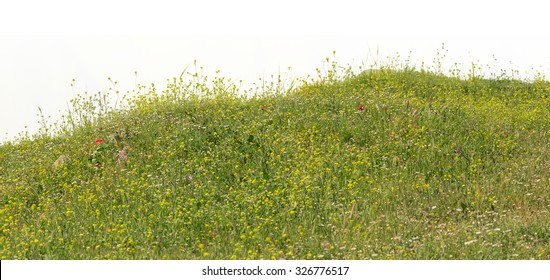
{"points": [[44, 45]]}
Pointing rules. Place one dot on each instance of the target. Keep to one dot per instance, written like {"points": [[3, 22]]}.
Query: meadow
{"points": [[386, 163]]}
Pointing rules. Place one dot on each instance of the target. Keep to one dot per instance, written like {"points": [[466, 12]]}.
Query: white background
{"points": [[358, 270], [46, 44]]}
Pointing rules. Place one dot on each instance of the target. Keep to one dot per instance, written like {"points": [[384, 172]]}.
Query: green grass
{"points": [[433, 167]]}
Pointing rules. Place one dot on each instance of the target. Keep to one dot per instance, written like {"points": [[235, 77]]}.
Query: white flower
{"points": [[470, 242]]}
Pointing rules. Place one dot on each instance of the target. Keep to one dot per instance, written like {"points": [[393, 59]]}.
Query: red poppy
{"points": [[99, 141], [361, 107], [262, 108]]}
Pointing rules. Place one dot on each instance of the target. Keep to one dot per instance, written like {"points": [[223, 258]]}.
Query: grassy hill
{"points": [[381, 164]]}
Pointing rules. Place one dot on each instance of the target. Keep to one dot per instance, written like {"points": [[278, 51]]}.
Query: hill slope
{"points": [[381, 164]]}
